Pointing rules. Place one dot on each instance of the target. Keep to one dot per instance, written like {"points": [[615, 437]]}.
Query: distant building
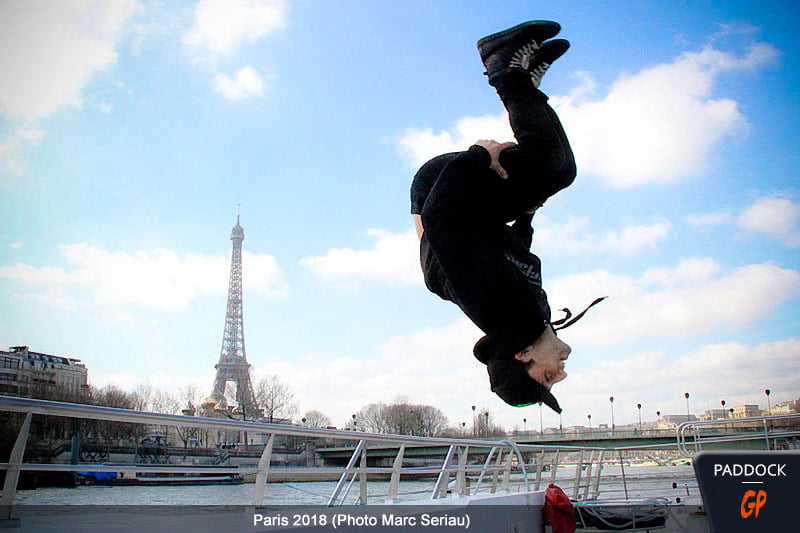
{"points": [[745, 411], [715, 414], [786, 408], [670, 421], [38, 375]]}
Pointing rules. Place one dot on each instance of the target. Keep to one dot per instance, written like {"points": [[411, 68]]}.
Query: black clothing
{"points": [[470, 255]]}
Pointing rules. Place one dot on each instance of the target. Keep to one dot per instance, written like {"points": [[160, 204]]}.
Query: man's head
{"points": [[544, 359], [526, 377]]}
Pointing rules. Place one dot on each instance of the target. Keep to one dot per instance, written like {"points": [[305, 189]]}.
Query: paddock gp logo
{"points": [[748, 491]]}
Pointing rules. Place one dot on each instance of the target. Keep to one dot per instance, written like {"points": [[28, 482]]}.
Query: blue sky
{"points": [[130, 131]]}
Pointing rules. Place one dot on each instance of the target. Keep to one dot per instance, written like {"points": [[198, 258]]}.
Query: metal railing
{"points": [[769, 432], [469, 466], [463, 467]]}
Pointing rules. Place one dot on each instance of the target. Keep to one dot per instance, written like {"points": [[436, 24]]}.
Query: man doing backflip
{"points": [[473, 212]]}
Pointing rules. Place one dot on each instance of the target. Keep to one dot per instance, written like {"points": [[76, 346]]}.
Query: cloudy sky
{"points": [[131, 130]]}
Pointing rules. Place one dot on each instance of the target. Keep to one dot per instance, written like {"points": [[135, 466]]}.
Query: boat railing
{"points": [[766, 432], [468, 466], [455, 467]]}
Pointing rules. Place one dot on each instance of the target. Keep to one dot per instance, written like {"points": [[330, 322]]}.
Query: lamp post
{"points": [[474, 427], [611, 400], [487, 422], [541, 428], [724, 414], [639, 407], [686, 395], [525, 425], [589, 416], [463, 428], [769, 407]]}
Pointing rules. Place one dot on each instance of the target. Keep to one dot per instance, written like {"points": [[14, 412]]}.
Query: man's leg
{"points": [[543, 162]]}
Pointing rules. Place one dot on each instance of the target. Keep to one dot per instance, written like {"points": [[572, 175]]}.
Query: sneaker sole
{"points": [[546, 28]]}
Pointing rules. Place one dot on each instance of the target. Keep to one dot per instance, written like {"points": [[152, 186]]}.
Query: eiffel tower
{"points": [[233, 365]]}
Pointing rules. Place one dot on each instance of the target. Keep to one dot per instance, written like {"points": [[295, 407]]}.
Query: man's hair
{"points": [[509, 379]]}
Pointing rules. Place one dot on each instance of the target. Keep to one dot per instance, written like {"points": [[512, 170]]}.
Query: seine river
{"points": [[640, 482]]}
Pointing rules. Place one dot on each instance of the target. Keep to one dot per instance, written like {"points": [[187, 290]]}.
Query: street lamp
{"points": [[722, 403], [541, 427], [525, 425], [639, 407], [769, 407], [686, 395], [487, 422], [590, 422], [474, 427], [611, 399]]}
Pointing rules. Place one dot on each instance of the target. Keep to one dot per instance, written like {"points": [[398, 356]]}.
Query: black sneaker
{"points": [[499, 49], [537, 63]]}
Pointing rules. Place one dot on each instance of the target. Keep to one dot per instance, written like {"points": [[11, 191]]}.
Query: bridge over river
{"points": [[663, 439]]}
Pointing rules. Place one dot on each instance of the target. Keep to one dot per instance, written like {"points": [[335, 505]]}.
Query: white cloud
{"points": [[776, 217], [160, 279], [222, 26], [52, 49], [575, 236], [682, 302], [419, 145], [660, 125], [740, 375], [711, 219], [19, 137], [246, 83], [434, 360], [657, 126], [395, 256]]}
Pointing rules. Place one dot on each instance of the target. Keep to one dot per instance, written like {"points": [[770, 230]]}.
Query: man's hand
{"points": [[494, 148]]}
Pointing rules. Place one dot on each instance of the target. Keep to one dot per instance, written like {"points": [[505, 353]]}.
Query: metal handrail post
{"points": [[483, 469], [578, 472], [12, 474], [263, 472], [343, 478], [362, 479], [397, 466], [600, 459], [444, 474], [461, 476], [554, 466], [521, 460]]}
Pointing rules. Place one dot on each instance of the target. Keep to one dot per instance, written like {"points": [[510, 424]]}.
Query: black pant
{"points": [[467, 247]]}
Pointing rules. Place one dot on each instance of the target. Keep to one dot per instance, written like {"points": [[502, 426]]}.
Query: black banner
{"points": [[289, 519], [750, 491]]}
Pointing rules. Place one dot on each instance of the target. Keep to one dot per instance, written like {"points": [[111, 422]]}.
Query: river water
{"points": [[639, 482]]}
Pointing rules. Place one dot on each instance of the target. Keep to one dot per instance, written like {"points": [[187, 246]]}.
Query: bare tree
{"points": [[485, 426], [142, 397], [402, 418], [112, 396], [316, 419], [275, 397]]}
